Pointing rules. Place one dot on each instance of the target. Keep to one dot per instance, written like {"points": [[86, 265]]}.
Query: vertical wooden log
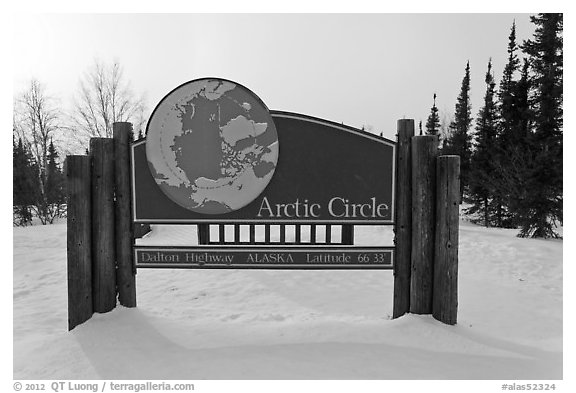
{"points": [[424, 153], [403, 218], [126, 269], [79, 240], [103, 236], [445, 296]]}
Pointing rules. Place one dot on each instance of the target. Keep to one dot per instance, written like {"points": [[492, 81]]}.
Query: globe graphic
{"points": [[211, 146]]}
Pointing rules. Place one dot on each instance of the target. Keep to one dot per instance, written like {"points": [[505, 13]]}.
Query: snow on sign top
{"points": [[211, 146]]}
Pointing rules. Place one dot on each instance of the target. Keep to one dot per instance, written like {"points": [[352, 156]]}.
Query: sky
{"points": [[360, 69]]}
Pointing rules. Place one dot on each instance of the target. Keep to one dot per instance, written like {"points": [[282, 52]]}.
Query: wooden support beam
{"points": [[103, 234], [445, 294], [79, 240], [403, 218], [424, 153], [126, 269]]}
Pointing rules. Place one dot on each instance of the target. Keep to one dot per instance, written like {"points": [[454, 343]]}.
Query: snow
{"points": [[294, 325]]}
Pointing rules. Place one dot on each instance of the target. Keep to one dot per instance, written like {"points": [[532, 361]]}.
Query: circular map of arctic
{"points": [[211, 146]]}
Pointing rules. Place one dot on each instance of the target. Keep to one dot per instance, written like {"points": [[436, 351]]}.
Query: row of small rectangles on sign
{"points": [[275, 234]]}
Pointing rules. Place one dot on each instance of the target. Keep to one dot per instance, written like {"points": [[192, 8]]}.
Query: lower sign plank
{"points": [[264, 258]]}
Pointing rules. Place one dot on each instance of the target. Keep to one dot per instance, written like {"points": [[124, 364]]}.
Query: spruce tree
{"points": [[524, 112], [54, 179], [23, 191], [49, 204], [17, 187], [507, 95], [20, 216], [459, 141], [515, 159], [433, 122], [510, 144], [482, 187], [543, 205]]}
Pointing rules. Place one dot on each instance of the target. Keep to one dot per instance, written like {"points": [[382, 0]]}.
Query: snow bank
{"points": [[266, 324]]}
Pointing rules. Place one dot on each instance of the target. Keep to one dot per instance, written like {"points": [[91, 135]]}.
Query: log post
{"points": [[403, 218], [424, 153], [103, 236], [79, 240], [126, 270], [445, 296]]}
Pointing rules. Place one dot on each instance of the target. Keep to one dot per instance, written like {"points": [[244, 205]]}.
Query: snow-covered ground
{"points": [[282, 324]]}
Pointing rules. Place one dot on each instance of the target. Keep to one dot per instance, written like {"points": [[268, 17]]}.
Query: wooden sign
{"points": [[264, 257], [214, 154], [263, 166]]}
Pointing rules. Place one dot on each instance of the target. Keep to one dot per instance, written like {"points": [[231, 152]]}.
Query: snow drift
{"points": [[268, 324]]}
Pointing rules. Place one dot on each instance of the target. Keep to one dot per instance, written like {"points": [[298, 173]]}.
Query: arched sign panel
{"points": [[300, 169]]}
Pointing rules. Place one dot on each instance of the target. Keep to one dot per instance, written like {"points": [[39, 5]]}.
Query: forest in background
{"points": [[511, 152]]}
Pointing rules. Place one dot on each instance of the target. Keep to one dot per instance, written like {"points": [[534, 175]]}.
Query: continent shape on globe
{"points": [[212, 146]]}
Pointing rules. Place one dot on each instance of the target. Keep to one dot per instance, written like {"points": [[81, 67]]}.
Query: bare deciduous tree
{"points": [[36, 121], [105, 97]]}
